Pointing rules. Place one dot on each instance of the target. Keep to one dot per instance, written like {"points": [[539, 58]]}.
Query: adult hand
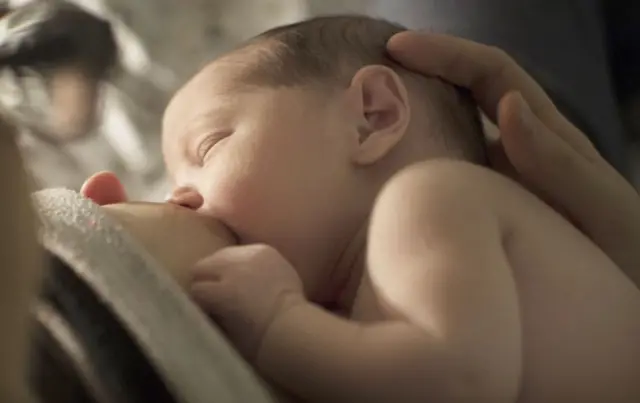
{"points": [[549, 154]]}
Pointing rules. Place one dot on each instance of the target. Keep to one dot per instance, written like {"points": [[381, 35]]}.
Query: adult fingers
{"points": [[488, 72], [498, 159], [104, 188], [593, 195]]}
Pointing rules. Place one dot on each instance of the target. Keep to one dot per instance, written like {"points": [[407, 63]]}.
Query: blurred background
{"points": [[164, 42]]}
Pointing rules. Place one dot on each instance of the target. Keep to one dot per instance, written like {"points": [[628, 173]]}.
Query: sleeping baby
{"points": [[380, 261]]}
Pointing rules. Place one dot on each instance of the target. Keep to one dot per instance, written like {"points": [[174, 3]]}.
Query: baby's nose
{"points": [[186, 197]]}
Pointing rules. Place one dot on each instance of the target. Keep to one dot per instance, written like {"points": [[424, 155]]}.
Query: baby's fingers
{"points": [[219, 265], [207, 270], [209, 295]]}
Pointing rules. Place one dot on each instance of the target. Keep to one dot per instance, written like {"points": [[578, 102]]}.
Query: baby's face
{"points": [[271, 163]]}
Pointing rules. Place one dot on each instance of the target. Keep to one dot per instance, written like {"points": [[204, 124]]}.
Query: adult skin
{"points": [[20, 268], [176, 237], [538, 144], [565, 45], [549, 155]]}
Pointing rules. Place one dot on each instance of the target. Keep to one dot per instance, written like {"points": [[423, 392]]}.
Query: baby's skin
{"points": [[451, 283], [374, 265], [514, 299]]}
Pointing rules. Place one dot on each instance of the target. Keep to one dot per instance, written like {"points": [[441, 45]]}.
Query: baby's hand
{"points": [[244, 289]]}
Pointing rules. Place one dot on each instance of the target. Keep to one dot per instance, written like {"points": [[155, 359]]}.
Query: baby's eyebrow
{"points": [[195, 126], [210, 109]]}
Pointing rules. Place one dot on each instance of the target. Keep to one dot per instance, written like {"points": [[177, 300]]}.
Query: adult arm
{"points": [[20, 268]]}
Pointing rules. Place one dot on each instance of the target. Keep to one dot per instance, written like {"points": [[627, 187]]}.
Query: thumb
{"points": [[556, 171], [543, 161], [587, 190], [104, 188]]}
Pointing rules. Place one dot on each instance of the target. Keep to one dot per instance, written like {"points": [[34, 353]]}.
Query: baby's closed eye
{"points": [[207, 142]]}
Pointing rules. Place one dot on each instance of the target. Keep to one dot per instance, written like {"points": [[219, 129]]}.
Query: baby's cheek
{"points": [[256, 192], [244, 205]]}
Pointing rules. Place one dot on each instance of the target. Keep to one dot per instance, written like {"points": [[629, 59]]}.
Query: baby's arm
{"points": [[437, 261]]}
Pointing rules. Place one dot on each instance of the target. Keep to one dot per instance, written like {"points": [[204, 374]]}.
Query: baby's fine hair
{"points": [[329, 50]]}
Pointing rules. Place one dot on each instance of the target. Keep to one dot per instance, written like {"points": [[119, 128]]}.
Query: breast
{"points": [[175, 236]]}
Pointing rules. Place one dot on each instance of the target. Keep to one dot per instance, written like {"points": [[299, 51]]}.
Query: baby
{"points": [[420, 275]]}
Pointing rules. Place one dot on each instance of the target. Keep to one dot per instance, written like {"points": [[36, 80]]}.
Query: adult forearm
{"points": [[20, 268], [324, 358]]}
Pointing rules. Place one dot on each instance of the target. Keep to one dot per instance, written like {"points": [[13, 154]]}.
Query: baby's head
{"points": [[289, 138]]}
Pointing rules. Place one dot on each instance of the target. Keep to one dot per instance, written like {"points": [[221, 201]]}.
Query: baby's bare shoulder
{"points": [[439, 198], [429, 191], [440, 181]]}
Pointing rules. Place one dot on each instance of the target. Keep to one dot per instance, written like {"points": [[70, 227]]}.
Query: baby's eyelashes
{"points": [[205, 143], [186, 197]]}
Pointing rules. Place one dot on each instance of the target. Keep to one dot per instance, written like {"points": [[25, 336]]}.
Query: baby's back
{"points": [[580, 314]]}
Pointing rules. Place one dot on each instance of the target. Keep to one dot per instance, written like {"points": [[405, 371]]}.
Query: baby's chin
{"points": [[175, 236]]}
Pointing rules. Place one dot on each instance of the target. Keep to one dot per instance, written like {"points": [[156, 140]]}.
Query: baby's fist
{"points": [[244, 288]]}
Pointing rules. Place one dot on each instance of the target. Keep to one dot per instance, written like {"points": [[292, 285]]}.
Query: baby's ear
{"points": [[382, 104]]}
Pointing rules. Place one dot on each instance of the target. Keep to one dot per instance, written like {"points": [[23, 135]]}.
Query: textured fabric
{"points": [[184, 347]]}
